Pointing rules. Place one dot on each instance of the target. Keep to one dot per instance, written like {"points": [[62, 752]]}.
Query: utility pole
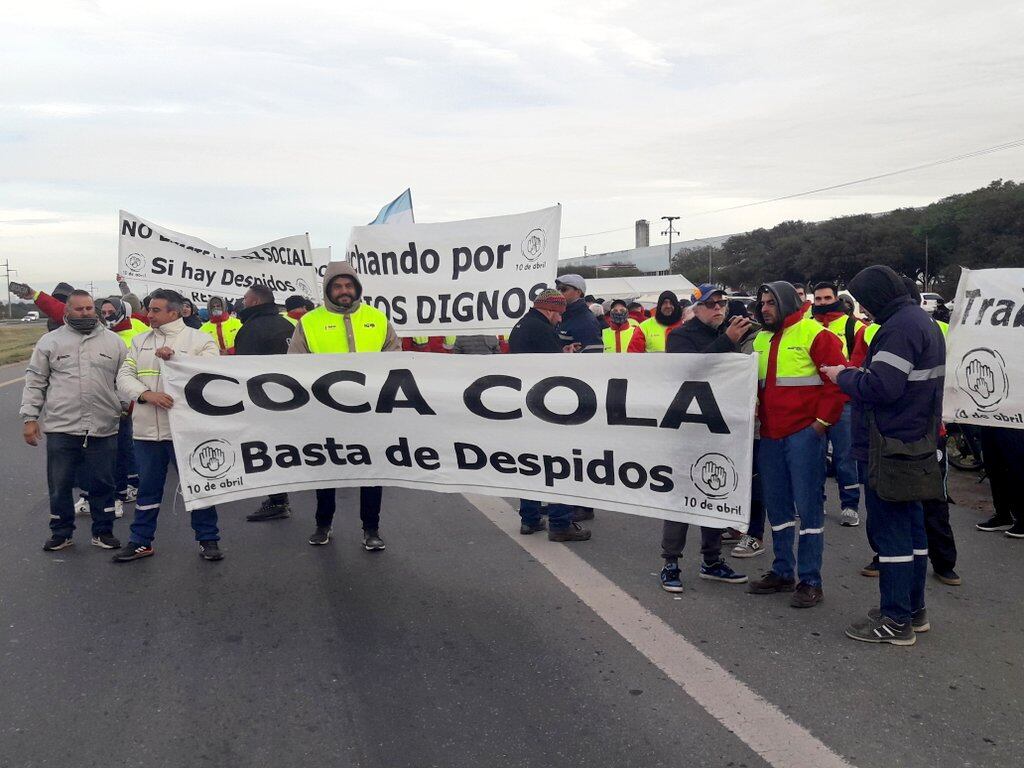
{"points": [[670, 231], [7, 275], [926, 264]]}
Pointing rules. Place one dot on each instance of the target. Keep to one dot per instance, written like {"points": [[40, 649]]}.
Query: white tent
{"points": [[645, 289]]}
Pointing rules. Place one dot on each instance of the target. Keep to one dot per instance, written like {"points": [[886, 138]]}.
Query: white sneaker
{"points": [[118, 508], [748, 547], [131, 494], [849, 518], [82, 506]]}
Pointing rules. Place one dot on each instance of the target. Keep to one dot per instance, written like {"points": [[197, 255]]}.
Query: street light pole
{"points": [[670, 231], [926, 263]]}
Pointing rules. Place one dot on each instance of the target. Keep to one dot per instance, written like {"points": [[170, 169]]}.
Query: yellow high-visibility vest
{"points": [[655, 334], [326, 331], [130, 333], [838, 327], [793, 366], [618, 341], [223, 333]]}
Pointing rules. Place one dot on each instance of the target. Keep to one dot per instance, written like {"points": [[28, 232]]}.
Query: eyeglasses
{"points": [[722, 304], [564, 288]]}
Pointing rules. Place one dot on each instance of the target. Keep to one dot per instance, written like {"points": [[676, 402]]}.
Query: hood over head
{"points": [[876, 287], [121, 310], [223, 305], [336, 269], [677, 310], [786, 299]]}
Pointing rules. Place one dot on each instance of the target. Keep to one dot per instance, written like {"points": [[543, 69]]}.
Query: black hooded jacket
{"points": [[881, 291], [264, 331], [786, 299]]}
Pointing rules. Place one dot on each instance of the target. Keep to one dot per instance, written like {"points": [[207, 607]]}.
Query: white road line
{"points": [[20, 380], [767, 730]]}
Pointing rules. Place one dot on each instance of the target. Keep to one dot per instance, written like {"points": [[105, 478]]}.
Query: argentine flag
{"points": [[398, 211]]}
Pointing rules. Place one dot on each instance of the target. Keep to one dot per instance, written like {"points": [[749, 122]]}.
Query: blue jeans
{"points": [[896, 532], [154, 456], [840, 435], [559, 515], [792, 480], [87, 462], [126, 472]]}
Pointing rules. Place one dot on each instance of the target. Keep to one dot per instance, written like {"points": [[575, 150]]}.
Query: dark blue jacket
{"points": [[580, 326], [901, 378], [533, 333]]}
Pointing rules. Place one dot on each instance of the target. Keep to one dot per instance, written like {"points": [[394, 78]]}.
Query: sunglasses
{"points": [[722, 304]]}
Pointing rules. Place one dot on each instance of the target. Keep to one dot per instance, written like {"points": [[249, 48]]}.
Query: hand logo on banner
{"points": [[982, 376], [135, 264], [212, 459], [534, 245], [714, 475]]}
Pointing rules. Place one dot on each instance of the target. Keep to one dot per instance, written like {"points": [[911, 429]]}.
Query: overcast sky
{"points": [[243, 122]]}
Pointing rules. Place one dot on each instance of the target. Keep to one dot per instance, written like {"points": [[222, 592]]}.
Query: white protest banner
{"points": [[159, 256], [985, 351], [473, 276], [321, 258], [666, 436]]}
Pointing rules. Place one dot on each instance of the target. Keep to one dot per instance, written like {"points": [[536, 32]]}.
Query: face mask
{"points": [[216, 312], [824, 309], [619, 316], [82, 324]]}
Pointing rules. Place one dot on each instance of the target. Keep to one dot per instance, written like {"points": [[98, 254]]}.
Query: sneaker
{"points": [[131, 494], [748, 547], [209, 550], [806, 596], [320, 536], [106, 541], [526, 529], [771, 582], [579, 514], [132, 551], [950, 578], [670, 580], [575, 532], [849, 518], [57, 542], [882, 630], [372, 542], [729, 535], [994, 523], [918, 619], [82, 506], [270, 511], [870, 570], [1016, 531], [721, 572], [118, 509]]}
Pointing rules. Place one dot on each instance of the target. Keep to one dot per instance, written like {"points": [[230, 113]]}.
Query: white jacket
{"points": [[141, 372]]}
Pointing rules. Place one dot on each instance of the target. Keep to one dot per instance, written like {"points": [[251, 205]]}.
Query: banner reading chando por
{"points": [[474, 276], [666, 436], [985, 353], [160, 257]]}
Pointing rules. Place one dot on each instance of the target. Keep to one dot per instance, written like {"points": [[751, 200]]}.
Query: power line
{"points": [[956, 158]]}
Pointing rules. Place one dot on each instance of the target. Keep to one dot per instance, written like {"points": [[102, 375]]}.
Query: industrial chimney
{"points": [[643, 233]]}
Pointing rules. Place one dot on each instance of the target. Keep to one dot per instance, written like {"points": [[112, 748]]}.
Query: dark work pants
{"points": [[1003, 449], [673, 540], [154, 457], [278, 498], [757, 515], [941, 544], [369, 506], [89, 463]]}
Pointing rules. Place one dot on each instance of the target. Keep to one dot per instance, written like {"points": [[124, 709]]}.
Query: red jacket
{"points": [[784, 411], [860, 348], [53, 308], [639, 315]]}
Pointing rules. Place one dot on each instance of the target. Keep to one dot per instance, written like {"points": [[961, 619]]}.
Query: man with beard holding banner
{"points": [[345, 324]]}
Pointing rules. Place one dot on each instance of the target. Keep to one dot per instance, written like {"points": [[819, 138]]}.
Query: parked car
{"points": [[30, 316], [929, 301]]}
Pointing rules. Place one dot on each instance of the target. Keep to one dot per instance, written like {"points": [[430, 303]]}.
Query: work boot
{"points": [[771, 583], [949, 577], [270, 511], [575, 532], [579, 514], [806, 596], [870, 570], [526, 528], [372, 542]]}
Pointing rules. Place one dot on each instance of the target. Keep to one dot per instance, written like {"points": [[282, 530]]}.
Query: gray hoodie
{"points": [[298, 344], [73, 376]]}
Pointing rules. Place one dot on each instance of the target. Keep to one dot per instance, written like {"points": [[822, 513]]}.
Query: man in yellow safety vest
{"points": [[221, 326], [345, 324], [620, 328]]}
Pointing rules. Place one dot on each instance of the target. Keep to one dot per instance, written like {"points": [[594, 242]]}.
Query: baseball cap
{"points": [[574, 281], [705, 291]]}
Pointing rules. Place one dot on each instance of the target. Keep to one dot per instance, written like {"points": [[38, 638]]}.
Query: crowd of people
{"points": [[847, 388]]}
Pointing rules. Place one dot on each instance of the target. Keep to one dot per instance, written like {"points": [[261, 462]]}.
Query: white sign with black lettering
{"points": [[157, 256], [667, 436], [474, 276], [985, 351]]}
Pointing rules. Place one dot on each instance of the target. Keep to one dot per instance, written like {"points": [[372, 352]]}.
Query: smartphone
{"points": [[18, 288]]}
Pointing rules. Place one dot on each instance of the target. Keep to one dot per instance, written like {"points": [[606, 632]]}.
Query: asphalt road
{"points": [[456, 647]]}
